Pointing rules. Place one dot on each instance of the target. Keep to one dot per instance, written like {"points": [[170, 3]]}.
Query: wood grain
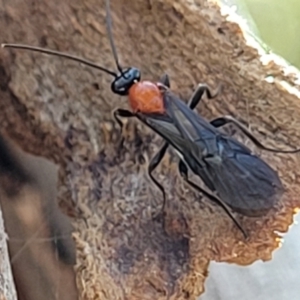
{"points": [[63, 112]]}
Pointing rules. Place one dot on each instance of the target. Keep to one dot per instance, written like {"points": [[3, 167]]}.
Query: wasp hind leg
{"points": [[183, 170], [228, 119]]}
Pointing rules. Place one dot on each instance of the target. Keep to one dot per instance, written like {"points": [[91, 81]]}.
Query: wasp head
{"points": [[124, 81]]}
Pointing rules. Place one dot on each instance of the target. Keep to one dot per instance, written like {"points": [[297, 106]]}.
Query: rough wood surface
{"points": [[63, 112], [7, 286]]}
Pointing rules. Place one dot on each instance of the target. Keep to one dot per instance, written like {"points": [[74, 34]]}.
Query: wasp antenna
{"points": [[60, 54], [110, 36]]}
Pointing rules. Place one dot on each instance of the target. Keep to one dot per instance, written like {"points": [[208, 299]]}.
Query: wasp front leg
{"points": [[123, 113]]}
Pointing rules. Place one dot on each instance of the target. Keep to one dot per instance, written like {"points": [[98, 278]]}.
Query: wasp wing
{"points": [[165, 126], [246, 183], [242, 180]]}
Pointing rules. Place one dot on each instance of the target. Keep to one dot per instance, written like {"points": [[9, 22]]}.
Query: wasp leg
{"points": [[198, 93], [124, 114], [183, 170], [228, 119], [152, 166], [165, 80]]}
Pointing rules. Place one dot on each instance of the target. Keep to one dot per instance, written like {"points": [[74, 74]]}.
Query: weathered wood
{"points": [[62, 111]]}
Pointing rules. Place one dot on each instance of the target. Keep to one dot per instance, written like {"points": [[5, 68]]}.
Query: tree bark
{"points": [[62, 111]]}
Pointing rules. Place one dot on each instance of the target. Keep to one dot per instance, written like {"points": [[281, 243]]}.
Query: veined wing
{"points": [[242, 180], [196, 128], [166, 128]]}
